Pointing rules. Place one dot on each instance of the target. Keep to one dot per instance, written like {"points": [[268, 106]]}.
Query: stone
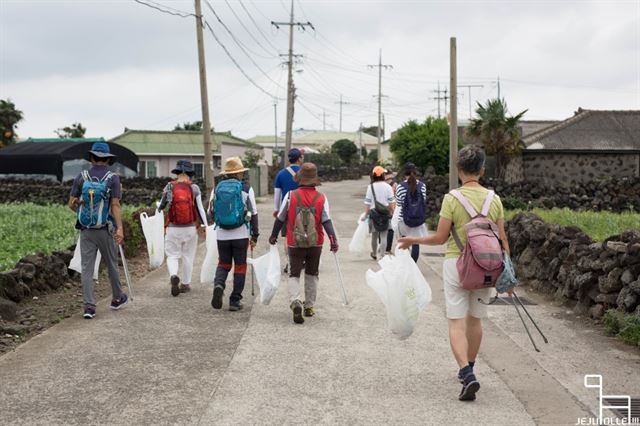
{"points": [[616, 247], [611, 282], [9, 287], [607, 299], [15, 329], [596, 311], [635, 286], [627, 277], [8, 310], [628, 300]]}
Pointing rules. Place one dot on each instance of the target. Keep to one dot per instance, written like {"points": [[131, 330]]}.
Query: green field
{"points": [[598, 225]]}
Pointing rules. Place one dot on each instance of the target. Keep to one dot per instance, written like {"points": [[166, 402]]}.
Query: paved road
{"points": [[166, 360]]}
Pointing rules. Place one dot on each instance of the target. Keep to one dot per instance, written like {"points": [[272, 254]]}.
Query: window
{"points": [[198, 169], [217, 162], [148, 168]]}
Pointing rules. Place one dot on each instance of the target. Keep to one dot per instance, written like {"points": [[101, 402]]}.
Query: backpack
{"points": [[481, 262], [414, 209], [379, 214], [305, 233], [228, 205], [182, 210], [94, 210]]}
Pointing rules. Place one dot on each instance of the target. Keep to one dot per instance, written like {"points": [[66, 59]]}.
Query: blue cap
{"points": [[101, 150], [295, 153]]}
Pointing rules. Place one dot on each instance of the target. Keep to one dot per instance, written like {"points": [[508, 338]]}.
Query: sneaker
{"points": [[460, 378], [235, 306], [216, 301], [470, 387], [89, 312], [185, 288], [296, 307], [373, 256], [119, 303], [286, 269], [175, 285], [309, 312]]}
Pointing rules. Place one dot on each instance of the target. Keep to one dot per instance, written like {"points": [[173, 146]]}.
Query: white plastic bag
{"points": [[359, 243], [395, 219], [76, 261], [403, 291], [267, 270], [153, 230], [208, 270]]}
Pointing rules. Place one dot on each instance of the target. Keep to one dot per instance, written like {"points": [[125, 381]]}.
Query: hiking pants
{"points": [[390, 235], [181, 242], [92, 240], [232, 252], [309, 259], [379, 243]]}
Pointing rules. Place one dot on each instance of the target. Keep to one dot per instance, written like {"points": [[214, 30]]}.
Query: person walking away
{"points": [[285, 182], [411, 196], [233, 207], [390, 178], [95, 197], [464, 310], [305, 213], [185, 211], [379, 204]]}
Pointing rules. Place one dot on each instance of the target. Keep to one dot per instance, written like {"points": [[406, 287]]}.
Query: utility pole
{"points": [[453, 122], [441, 98], [275, 122], [341, 103], [360, 136], [380, 66], [204, 101], [498, 83], [469, 86], [324, 120], [290, 86]]}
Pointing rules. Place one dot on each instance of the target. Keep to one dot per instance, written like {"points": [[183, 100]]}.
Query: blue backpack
{"points": [[228, 205], [414, 210], [96, 193]]}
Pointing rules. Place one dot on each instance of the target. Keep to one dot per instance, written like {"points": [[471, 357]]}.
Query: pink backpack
{"points": [[480, 264]]}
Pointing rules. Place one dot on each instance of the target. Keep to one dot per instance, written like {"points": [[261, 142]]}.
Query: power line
{"points": [[165, 9], [256, 24], [247, 30]]}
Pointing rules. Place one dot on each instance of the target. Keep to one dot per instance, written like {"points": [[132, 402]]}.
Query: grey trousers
{"points": [[379, 243], [92, 240]]}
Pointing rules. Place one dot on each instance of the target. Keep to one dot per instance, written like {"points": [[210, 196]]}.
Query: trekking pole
{"points": [[126, 271], [515, 305], [252, 275], [340, 280], [529, 315]]}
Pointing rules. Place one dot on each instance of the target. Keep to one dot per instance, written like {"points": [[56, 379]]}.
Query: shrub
{"points": [[623, 325]]}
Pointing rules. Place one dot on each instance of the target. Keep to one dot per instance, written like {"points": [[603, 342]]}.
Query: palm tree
{"points": [[9, 118], [76, 130], [499, 134]]}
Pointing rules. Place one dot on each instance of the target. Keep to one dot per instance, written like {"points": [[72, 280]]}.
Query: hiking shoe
{"points": [[296, 307], [185, 288], [460, 377], [373, 256], [309, 312], [469, 388], [175, 285], [235, 306], [286, 269], [119, 303], [216, 301], [89, 312]]}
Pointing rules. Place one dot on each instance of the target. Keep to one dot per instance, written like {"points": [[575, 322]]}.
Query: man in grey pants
{"points": [[95, 196]]}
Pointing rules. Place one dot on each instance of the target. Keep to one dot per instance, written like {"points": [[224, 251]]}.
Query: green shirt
{"points": [[455, 212]]}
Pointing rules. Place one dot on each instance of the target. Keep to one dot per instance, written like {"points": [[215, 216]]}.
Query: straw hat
{"points": [[233, 165], [307, 175]]}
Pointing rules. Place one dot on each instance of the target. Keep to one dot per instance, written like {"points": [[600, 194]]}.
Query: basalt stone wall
{"points": [[565, 262]]}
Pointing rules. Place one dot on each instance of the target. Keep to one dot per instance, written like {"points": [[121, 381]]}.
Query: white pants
{"points": [[181, 243]]}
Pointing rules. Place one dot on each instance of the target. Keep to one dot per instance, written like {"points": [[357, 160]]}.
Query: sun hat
{"points": [[307, 175], [183, 166], [378, 171], [295, 153], [101, 150], [233, 165]]}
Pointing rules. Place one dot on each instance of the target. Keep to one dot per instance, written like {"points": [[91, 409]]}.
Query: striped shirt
{"points": [[401, 193]]}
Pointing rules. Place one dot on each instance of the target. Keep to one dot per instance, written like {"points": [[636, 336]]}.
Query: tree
{"points": [[499, 134], [9, 119], [193, 126], [372, 130], [251, 158], [424, 144], [74, 131], [345, 149], [363, 153]]}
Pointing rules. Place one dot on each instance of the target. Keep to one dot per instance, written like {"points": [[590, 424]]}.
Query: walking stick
{"points": [[252, 275], [340, 280], [515, 305], [529, 315], [126, 271]]}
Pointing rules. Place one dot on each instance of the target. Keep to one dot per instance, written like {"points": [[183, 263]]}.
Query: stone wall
{"points": [[565, 262]]}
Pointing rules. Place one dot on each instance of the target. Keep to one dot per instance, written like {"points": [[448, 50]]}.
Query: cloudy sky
{"points": [[112, 64]]}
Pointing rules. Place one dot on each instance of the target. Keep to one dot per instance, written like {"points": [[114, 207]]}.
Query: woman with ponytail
{"points": [[411, 197]]}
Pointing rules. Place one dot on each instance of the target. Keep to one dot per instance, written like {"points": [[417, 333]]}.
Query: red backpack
{"points": [[182, 210]]}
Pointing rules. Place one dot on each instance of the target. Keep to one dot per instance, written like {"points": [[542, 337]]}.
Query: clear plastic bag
{"points": [[153, 230], [359, 243], [267, 270], [76, 261], [208, 270], [402, 289]]}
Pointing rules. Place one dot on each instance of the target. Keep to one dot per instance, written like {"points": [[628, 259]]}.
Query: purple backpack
{"points": [[481, 262]]}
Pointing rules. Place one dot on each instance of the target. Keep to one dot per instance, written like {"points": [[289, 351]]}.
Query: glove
{"points": [[273, 240], [333, 243], [253, 242]]}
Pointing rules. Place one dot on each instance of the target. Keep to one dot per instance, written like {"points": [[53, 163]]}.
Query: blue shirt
{"points": [[284, 180], [98, 172]]}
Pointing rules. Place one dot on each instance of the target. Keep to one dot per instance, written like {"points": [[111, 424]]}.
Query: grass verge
{"points": [[623, 325]]}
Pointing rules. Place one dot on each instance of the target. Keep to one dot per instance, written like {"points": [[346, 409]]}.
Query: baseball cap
{"points": [[378, 171], [295, 153]]}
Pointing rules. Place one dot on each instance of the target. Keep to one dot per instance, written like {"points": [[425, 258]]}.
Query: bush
{"points": [[623, 325], [346, 149], [424, 144]]}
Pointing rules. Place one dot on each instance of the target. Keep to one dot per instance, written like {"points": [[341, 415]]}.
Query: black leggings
{"points": [[232, 253]]}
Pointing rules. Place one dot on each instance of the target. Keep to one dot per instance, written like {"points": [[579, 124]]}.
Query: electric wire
{"points": [[249, 32]]}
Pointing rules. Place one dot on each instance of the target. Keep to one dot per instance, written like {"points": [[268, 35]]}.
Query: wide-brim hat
{"points": [[183, 166], [101, 150], [233, 165], [307, 175]]}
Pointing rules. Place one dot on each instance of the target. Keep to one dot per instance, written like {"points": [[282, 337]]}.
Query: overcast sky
{"points": [[112, 64]]}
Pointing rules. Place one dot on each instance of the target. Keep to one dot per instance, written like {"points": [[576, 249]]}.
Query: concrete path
{"points": [[165, 360]]}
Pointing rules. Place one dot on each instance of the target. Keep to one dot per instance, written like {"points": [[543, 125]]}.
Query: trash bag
{"points": [[507, 279], [76, 261], [153, 230], [359, 243], [208, 270], [395, 219], [402, 289], [267, 270]]}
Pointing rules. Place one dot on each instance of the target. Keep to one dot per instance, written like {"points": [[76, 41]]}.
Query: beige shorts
{"points": [[459, 301]]}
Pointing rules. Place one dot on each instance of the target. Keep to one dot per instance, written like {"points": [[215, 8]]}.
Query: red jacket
{"points": [[307, 195]]}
